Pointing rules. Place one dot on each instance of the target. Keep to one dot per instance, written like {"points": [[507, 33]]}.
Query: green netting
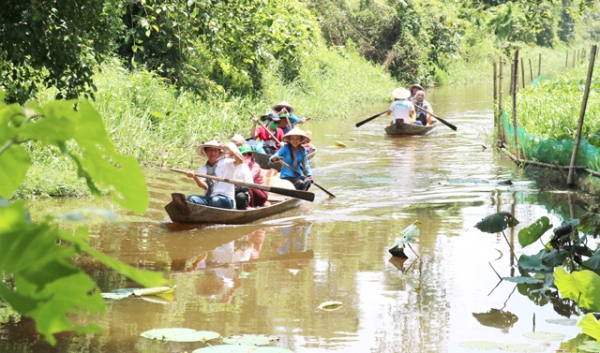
{"points": [[537, 80], [548, 151]]}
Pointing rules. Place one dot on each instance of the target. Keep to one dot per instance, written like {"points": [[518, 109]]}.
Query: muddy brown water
{"points": [[269, 277]]}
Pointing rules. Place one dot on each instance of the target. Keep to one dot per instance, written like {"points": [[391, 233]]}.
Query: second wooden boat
{"points": [[400, 128]]}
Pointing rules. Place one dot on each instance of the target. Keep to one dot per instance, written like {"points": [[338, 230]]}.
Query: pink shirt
{"points": [[255, 171]]}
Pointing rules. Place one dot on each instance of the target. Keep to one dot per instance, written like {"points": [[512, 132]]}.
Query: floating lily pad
{"points": [[521, 348], [523, 280], [180, 335], [255, 340], [590, 346], [564, 322], [272, 350], [227, 348], [153, 291], [545, 336], [159, 299], [485, 345], [330, 306], [497, 222]]}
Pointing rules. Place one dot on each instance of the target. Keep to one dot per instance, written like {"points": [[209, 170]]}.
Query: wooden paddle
{"points": [[299, 194], [453, 127], [361, 123], [298, 174]]}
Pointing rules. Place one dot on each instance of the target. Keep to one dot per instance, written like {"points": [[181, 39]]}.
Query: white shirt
{"points": [[401, 110], [242, 172], [224, 169]]}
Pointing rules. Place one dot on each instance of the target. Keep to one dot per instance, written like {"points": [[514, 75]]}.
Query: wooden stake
{"points": [[530, 72], [495, 95], [574, 57], [500, 135], [522, 73], [567, 61], [540, 65], [586, 93], [514, 103]]}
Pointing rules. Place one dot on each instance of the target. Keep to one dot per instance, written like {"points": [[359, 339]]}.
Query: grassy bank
{"points": [[149, 119]]}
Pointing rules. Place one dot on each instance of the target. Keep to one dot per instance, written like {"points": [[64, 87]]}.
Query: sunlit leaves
{"points": [[583, 287], [590, 326], [534, 231], [497, 222]]}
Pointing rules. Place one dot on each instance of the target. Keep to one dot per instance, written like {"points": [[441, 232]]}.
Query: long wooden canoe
{"points": [[263, 160], [181, 210], [400, 128]]}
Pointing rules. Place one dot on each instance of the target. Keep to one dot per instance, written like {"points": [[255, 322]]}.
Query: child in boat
{"points": [[402, 108], [294, 155], [218, 194]]}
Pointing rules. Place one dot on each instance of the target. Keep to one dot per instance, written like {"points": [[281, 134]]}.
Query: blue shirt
{"points": [[285, 153]]}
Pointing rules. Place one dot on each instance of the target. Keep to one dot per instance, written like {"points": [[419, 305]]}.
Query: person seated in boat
{"points": [[402, 108], [257, 197], [242, 193], [270, 144], [422, 116], [294, 155], [413, 89], [218, 194], [238, 140], [288, 120], [308, 147]]}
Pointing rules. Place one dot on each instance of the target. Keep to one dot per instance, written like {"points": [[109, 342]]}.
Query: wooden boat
{"points": [[181, 210], [263, 160], [400, 128]]}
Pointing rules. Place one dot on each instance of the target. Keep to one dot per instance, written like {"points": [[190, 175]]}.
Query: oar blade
{"points": [[361, 123], [299, 194]]}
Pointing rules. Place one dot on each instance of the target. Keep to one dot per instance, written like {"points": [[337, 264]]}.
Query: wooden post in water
{"points": [[530, 72], [540, 65], [500, 135], [586, 93], [514, 102], [522, 73]]}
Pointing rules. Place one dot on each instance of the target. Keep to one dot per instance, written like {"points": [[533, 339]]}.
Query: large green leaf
{"points": [[497, 222], [534, 262], [594, 261], [532, 233], [583, 287], [553, 257], [590, 326], [15, 162]]}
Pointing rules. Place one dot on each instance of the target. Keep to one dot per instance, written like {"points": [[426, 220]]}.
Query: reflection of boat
{"points": [[180, 210], [400, 128], [263, 160]]}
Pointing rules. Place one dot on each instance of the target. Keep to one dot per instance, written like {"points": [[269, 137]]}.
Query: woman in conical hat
{"points": [[294, 155], [402, 108], [288, 120]]}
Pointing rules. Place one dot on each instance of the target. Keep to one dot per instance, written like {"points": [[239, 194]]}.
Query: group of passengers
{"points": [[406, 101], [235, 161]]}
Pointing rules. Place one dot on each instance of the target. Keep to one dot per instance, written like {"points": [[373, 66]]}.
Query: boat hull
{"points": [[205, 214], [400, 128]]}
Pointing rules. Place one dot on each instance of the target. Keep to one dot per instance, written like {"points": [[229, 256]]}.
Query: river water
{"points": [[444, 295]]}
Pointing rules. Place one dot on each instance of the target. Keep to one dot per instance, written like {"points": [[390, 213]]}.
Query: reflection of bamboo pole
{"points": [[512, 235], [514, 102], [540, 65], [530, 72], [582, 114], [522, 73]]}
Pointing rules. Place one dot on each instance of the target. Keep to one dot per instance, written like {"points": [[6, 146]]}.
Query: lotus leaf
{"points": [[483, 345], [525, 280], [590, 326], [521, 348], [533, 262], [497, 222], [582, 286], [153, 291], [590, 346], [532, 233], [545, 336], [564, 322]]}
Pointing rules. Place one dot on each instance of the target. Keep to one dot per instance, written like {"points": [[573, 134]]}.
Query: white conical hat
{"points": [[400, 93], [283, 104], [296, 132]]}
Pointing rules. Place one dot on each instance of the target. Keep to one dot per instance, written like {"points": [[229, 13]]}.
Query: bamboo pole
{"points": [[495, 91], [514, 102], [522, 73], [567, 61], [500, 135], [574, 57], [586, 93], [530, 71], [540, 65]]}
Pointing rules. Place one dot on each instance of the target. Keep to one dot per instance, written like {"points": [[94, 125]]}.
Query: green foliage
{"points": [[590, 326], [44, 284], [582, 287], [534, 231], [54, 43]]}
